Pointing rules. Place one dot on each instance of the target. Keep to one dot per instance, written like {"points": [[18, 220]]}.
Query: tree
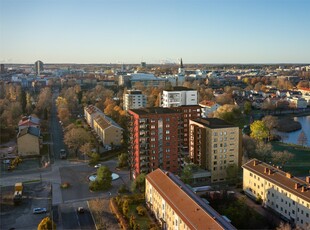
{"points": [[139, 183], [187, 174], [259, 131], [47, 224], [302, 138], [104, 177], [247, 107], [279, 157], [232, 172], [75, 138], [263, 151], [270, 122], [123, 160]]}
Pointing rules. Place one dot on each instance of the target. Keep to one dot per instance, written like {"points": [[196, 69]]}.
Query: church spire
{"points": [[181, 64]]}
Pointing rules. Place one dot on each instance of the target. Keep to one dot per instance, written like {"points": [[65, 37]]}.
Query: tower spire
{"points": [[181, 64]]}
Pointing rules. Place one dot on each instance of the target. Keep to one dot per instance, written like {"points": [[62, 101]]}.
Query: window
{"points": [[167, 131]]}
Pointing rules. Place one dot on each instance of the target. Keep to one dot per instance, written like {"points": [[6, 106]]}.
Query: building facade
{"points": [[176, 206], [215, 146], [208, 107], [134, 99], [285, 194], [179, 96], [28, 141], [155, 140], [39, 67]]}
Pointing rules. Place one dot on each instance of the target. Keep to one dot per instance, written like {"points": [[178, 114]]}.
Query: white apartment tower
{"points": [[179, 96], [134, 99]]}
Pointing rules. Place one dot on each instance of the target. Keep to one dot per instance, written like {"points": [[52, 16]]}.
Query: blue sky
{"points": [[131, 31]]}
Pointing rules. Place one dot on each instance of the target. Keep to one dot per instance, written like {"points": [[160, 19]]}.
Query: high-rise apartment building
{"points": [[38, 65], [280, 191], [134, 99], [155, 140], [215, 146], [179, 96]]}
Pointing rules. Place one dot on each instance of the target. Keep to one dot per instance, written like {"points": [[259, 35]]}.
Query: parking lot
{"points": [[21, 216]]}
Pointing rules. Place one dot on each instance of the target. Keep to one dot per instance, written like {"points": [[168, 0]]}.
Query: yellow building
{"points": [[108, 131], [177, 207], [215, 146], [280, 191], [28, 141]]}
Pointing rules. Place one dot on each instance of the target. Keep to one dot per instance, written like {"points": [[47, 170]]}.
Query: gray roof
{"points": [[31, 130]]}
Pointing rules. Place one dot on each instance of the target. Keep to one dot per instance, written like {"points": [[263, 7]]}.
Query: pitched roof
{"points": [[29, 130], [207, 103], [280, 178], [213, 123], [188, 206], [29, 120], [105, 122]]}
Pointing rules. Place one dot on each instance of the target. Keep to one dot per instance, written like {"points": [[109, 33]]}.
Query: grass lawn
{"points": [[143, 221], [300, 164]]}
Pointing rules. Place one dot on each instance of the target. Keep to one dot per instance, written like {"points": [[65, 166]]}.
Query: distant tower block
{"points": [[143, 64], [38, 65]]}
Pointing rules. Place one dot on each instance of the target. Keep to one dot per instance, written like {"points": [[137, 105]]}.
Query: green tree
{"points": [[259, 131], [47, 224], [187, 174], [139, 183], [270, 122], [123, 160], [232, 172], [104, 177], [247, 107]]}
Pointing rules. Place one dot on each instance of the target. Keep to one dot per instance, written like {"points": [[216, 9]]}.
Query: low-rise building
{"points": [[298, 102], [176, 206], [28, 121], [28, 141], [280, 191], [208, 107]]}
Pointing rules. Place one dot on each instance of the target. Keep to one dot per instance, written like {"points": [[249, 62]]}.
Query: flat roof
{"points": [[153, 110], [214, 123], [180, 88]]}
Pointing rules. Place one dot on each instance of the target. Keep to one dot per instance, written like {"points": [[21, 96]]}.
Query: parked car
{"points": [[6, 161], [97, 166], [39, 210], [63, 154], [80, 210]]}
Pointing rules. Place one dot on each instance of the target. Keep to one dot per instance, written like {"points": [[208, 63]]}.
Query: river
{"points": [[292, 137]]}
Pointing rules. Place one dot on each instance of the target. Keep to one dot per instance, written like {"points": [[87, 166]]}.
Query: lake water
{"points": [[292, 137]]}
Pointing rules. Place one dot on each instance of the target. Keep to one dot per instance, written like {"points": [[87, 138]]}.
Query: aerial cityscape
{"points": [[154, 114]]}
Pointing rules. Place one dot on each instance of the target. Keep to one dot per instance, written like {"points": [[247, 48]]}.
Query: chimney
{"points": [[266, 170], [308, 179], [303, 189], [296, 185], [270, 171], [288, 175], [254, 163]]}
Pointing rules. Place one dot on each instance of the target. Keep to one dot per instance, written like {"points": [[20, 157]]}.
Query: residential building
{"points": [[179, 96], [39, 67], [109, 132], [280, 191], [208, 107], [215, 146], [155, 140], [188, 112], [298, 102], [146, 79], [176, 206], [28, 121], [28, 141], [134, 99]]}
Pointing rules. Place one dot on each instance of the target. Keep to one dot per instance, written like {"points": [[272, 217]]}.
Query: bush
{"points": [[47, 224], [141, 210], [123, 189], [95, 186]]}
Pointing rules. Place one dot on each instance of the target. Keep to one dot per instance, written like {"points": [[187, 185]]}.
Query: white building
{"points": [[208, 107], [134, 99], [283, 193], [299, 103], [179, 96]]}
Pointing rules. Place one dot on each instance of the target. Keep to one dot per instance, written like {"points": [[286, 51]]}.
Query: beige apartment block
{"points": [[176, 206], [215, 146], [28, 141], [280, 191]]}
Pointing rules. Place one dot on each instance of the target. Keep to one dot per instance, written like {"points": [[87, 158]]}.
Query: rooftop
{"points": [[31, 130], [153, 110], [280, 178], [207, 103], [180, 88], [213, 123], [188, 206]]}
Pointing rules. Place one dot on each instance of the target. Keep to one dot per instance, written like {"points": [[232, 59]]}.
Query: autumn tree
{"points": [[302, 138], [47, 224], [281, 157], [270, 122], [75, 138], [44, 103], [259, 131], [247, 107], [263, 151]]}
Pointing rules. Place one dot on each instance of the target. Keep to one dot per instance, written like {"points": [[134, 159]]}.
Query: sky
{"points": [[155, 31]]}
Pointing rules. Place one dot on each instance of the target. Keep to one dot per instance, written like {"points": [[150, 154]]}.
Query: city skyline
{"points": [[238, 31]]}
